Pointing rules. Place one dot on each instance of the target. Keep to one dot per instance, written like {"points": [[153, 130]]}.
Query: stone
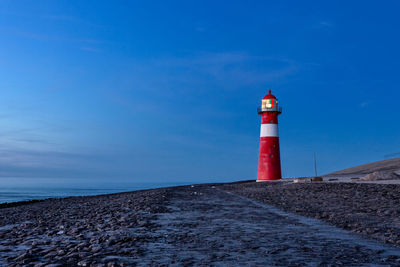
{"points": [[301, 180], [84, 263], [380, 175], [51, 254], [317, 179]]}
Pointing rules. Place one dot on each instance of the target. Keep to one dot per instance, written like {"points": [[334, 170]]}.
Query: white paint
{"points": [[269, 130]]}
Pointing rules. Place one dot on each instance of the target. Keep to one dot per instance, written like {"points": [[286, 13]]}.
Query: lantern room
{"points": [[269, 104]]}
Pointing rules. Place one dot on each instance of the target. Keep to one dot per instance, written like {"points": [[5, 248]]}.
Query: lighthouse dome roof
{"points": [[269, 96]]}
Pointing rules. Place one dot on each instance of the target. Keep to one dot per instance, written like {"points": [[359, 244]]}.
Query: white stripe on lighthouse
{"points": [[269, 130]]}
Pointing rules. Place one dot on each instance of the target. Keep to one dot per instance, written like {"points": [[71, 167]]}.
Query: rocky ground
{"points": [[225, 224], [391, 165], [83, 231]]}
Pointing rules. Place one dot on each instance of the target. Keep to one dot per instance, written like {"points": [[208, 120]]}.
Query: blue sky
{"points": [[167, 91]]}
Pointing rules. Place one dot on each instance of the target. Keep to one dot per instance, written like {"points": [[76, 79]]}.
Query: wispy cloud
{"points": [[233, 69], [46, 37], [188, 76], [32, 144], [70, 19], [91, 49], [324, 24], [200, 29], [63, 18], [24, 162]]}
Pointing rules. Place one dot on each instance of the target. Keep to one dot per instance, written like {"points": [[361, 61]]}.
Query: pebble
{"points": [[84, 263]]}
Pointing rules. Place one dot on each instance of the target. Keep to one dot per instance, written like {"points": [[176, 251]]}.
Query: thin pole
{"points": [[315, 163]]}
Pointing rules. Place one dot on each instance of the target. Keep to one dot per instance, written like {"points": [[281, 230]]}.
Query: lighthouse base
{"points": [[269, 162], [267, 180]]}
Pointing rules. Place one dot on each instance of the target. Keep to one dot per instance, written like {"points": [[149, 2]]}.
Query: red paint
{"points": [[269, 117], [269, 96], [269, 161]]}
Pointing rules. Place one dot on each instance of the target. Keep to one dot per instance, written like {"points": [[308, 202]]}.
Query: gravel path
{"points": [[372, 210], [207, 226]]}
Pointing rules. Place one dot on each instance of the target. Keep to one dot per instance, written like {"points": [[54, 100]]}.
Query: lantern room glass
{"points": [[269, 105]]}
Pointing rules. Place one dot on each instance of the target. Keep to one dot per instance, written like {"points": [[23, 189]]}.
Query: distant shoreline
{"points": [[27, 195], [19, 203], [34, 201]]}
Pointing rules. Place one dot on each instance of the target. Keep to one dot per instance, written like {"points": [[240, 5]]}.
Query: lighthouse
{"points": [[269, 161]]}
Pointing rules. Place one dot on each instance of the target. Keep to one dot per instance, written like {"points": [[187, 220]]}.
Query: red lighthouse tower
{"points": [[269, 161]]}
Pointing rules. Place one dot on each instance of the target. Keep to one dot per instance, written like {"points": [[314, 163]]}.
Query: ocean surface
{"points": [[24, 193]]}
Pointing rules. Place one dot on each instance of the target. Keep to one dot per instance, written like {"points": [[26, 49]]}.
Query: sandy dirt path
{"points": [[208, 226]]}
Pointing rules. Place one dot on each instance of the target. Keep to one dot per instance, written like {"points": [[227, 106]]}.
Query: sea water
{"points": [[12, 193]]}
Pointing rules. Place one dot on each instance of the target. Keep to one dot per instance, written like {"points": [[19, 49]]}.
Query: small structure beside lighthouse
{"points": [[269, 161]]}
